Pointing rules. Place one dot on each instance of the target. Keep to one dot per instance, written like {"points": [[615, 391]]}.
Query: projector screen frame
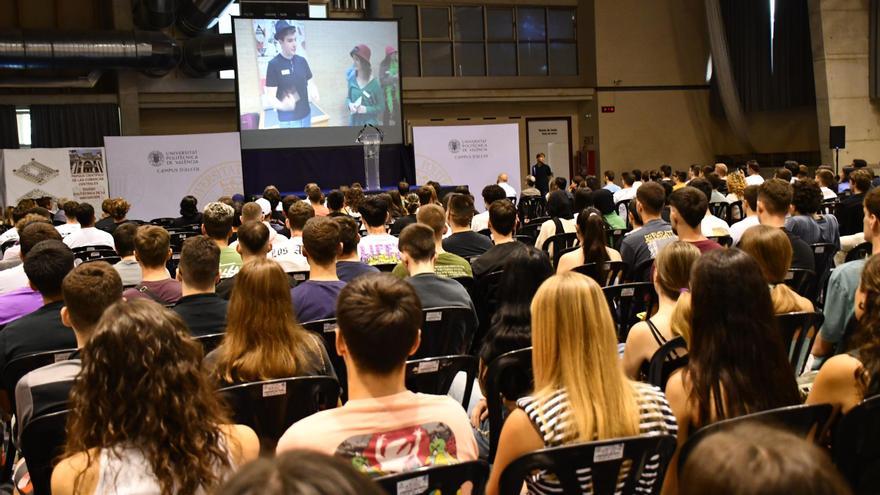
{"points": [[400, 135]]}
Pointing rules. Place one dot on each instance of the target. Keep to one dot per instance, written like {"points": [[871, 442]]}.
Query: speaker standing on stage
{"points": [[287, 77], [542, 173]]}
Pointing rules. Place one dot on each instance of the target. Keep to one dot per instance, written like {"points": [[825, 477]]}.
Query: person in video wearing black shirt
{"points": [[542, 173], [287, 77]]}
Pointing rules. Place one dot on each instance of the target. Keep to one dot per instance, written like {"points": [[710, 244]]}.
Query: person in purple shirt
{"points": [[315, 299]]}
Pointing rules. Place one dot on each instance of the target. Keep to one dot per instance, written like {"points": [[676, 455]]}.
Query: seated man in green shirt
{"points": [[446, 264]]}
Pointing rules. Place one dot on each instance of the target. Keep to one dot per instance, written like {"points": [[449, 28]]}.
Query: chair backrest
{"points": [[531, 207], [179, 235], [721, 209], [326, 329], [509, 376], [829, 206], [802, 281], [736, 206], [855, 446], [434, 375], [859, 252], [622, 209], [386, 267], [807, 421], [669, 357], [610, 274], [445, 480], [823, 254], [559, 242], [626, 301], [485, 298], [210, 341], [620, 465], [20, 366], [446, 331], [486, 232], [615, 237], [531, 230], [162, 222], [297, 278], [86, 254], [8, 244], [271, 406], [799, 331], [724, 240], [42, 443]]}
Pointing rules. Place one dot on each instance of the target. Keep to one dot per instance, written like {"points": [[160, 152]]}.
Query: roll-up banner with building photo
{"points": [[79, 174], [154, 172]]}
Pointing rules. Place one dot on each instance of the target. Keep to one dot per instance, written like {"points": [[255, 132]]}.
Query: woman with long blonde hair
{"points": [[770, 247], [263, 339], [581, 393]]}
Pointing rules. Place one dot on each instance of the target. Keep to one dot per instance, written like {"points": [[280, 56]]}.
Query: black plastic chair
{"points": [[297, 278], [42, 443], [386, 267], [670, 357], [802, 281], [486, 232], [530, 208], [179, 235], [735, 206], [531, 230], [823, 254], [326, 329], [485, 299], [446, 331], [724, 240], [613, 272], [8, 244], [799, 331], [434, 375], [508, 376], [859, 252], [20, 366], [622, 209], [162, 222], [615, 237], [721, 209], [557, 243], [620, 465], [855, 446], [829, 206], [271, 406], [447, 480], [626, 301], [807, 421], [210, 341], [87, 254]]}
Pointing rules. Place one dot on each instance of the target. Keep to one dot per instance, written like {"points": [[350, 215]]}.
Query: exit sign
{"points": [[608, 109]]}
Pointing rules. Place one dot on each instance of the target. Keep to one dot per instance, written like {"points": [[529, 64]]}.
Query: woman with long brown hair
{"points": [[770, 247], [581, 393], [263, 339], [144, 418]]}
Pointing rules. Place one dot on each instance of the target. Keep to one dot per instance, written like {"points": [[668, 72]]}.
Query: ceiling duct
{"points": [[196, 16], [207, 54], [155, 14]]}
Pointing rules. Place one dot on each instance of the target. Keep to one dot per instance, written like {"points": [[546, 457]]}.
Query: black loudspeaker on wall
{"points": [[837, 137]]}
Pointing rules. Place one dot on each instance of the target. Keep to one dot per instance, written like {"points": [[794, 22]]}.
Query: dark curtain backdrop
{"points": [[60, 126], [8, 127], [291, 169], [790, 83]]}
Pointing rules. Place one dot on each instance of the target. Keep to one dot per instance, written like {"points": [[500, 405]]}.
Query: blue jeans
{"points": [[296, 124]]}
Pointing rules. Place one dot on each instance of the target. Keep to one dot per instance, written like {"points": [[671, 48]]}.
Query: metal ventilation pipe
{"points": [[155, 14], [151, 52], [207, 54], [196, 16]]}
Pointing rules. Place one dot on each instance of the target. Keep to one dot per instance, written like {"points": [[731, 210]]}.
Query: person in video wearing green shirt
{"points": [[389, 71], [365, 97]]}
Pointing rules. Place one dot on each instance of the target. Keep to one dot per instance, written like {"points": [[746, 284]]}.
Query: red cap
{"points": [[389, 50], [362, 51]]}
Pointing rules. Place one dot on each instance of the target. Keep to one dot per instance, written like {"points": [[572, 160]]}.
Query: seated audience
{"points": [[753, 173], [259, 211], [152, 248], [463, 241], [736, 185], [23, 208], [106, 221], [289, 254], [87, 291], [354, 198], [286, 203], [846, 379], [411, 205], [200, 308], [502, 221], [628, 191], [769, 247], [378, 247], [217, 220], [163, 427], [561, 219], [750, 208], [315, 298], [609, 182], [530, 189], [754, 458], [273, 196], [603, 202], [88, 234], [671, 275], [316, 199], [395, 205], [774, 199], [263, 339], [783, 174], [335, 203], [688, 207], [679, 180], [524, 271], [14, 280], [849, 211], [633, 217], [299, 473], [253, 243], [46, 265], [349, 265], [379, 317], [189, 212], [737, 364], [825, 178], [711, 226], [804, 222], [491, 193], [12, 255], [445, 264], [638, 249], [593, 243], [71, 225], [128, 268], [118, 210], [581, 393], [502, 182]]}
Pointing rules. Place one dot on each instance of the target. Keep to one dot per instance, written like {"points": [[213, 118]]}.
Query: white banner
{"points": [[471, 155], [36, 173], [88, 173], [154, 172]]}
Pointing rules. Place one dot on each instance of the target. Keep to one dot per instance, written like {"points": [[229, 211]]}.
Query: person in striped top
{"points": [[581, 393]]}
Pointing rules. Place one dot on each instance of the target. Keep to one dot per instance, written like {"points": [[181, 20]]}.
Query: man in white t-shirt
{"points": [[88, 235], [383, 428], [629, 190], [31, 234], [508, 189], [289, 254], [491, 193], [72, 224], [754, 173], [750, 206], [377, 247], [261, 211], [825, 178], [711, 225]]}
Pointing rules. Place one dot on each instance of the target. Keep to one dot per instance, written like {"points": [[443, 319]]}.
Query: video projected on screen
{"points": [[306, 83]]}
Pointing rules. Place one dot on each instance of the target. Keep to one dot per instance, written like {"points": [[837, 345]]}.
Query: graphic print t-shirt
{"points": [[392, 434], [378, 249]]}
